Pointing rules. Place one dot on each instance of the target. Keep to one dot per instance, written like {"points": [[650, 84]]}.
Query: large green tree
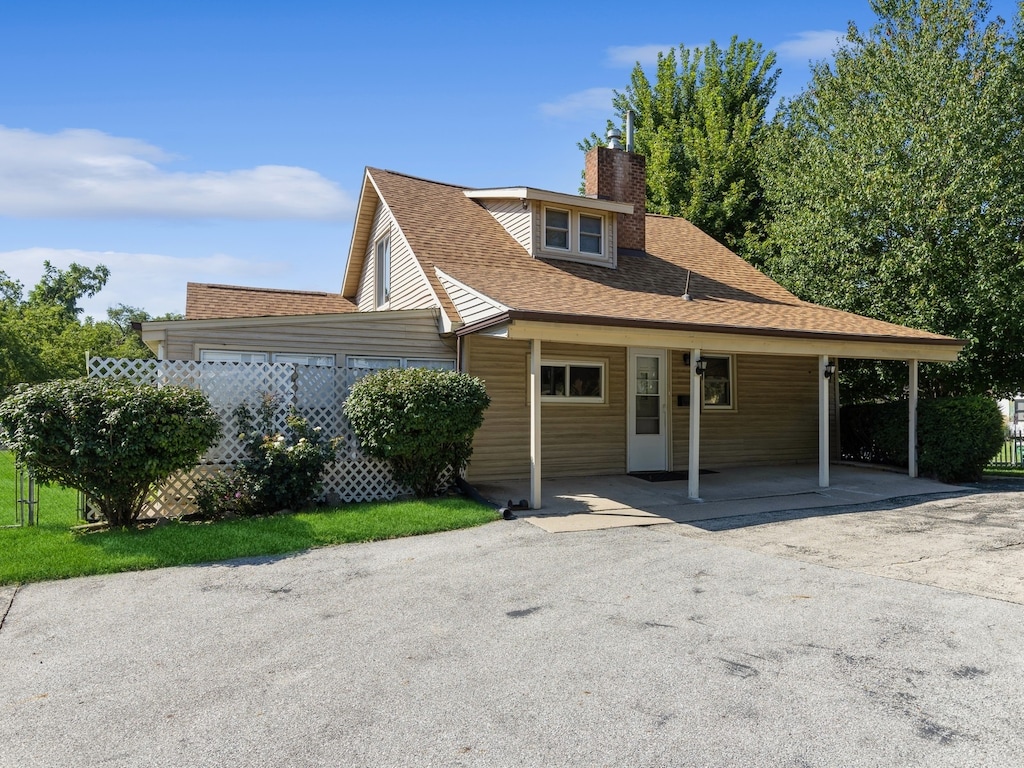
{"points": [[42, 336], [699, 125], [64, 288], [896, 185]]}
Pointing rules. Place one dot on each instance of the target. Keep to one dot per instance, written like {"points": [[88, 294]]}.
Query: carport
{"points": [[595, 502]]}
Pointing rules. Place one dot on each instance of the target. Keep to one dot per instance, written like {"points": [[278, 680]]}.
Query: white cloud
{"points": [[812, 44], [148, 280], [629, 55], [580, 103], [88, 173]]}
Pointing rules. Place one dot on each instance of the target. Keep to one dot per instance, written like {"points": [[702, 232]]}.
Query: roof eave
{"points": [[625, 322], [361, 229], [559, 198]]}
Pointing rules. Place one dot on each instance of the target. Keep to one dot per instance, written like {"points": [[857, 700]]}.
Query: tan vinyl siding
{"points": [[680, 415], [516, 221], [576, 439], [471, 306], [371, 334], [775, 420], [409, 286], [586, 439], [501, 447]]}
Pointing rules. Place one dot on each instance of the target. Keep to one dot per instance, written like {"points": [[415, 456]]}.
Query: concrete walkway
{"points": [[597, 502]]}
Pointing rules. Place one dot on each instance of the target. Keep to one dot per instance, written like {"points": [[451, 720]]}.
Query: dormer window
{"points": [[574, 233], [556, 229], [590, 234], [552, 225]]}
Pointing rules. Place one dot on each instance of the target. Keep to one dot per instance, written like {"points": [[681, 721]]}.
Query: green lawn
{"points": [[1003, 472], [52, 550], [60, 504]]}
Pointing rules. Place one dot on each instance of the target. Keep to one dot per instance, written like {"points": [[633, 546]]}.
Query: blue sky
{"points": [[224, 142]]}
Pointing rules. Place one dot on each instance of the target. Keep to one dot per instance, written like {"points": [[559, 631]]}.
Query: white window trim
{"points": [[579, 234], [382, 290], [565, 398], [568, 231], [573, 252], [732, 384]]}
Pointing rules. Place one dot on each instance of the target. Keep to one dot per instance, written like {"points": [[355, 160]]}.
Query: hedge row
{"points": [[956, 436]]}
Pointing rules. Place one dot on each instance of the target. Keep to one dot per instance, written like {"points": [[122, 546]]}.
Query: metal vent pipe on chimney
{"points": [[614, 138], [629, 130]]}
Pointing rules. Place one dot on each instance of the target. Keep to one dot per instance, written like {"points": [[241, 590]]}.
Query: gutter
{"points": [[661, 325]]}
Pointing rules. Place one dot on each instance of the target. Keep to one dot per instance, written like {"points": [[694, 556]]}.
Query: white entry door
{"points": [[647, 432]]}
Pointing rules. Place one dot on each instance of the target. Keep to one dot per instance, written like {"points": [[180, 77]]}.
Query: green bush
{"points": [[956, 436], [111, 439], [420, 420], [282, 468]]}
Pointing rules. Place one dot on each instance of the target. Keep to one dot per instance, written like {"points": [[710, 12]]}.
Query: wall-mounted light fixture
{"points": [[830, 368], [701, 366]]}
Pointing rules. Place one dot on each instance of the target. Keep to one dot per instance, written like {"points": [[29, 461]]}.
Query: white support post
{"points": [[535, 424], [912, 436], [823, 386], [696, 400]]}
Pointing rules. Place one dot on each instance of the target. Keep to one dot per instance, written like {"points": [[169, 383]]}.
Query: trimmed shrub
{"points": [[420, 420], [957, 436], [282, 469], [113, 440]]}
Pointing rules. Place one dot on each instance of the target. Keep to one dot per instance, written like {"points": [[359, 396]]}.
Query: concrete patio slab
{"points": [[596, 502]]}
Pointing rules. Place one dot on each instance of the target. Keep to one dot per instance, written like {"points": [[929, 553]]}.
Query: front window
{"points": [[231, 356], [572, 382], [324, 361], [374, 363], [378, 363], [556, 229], [436, 365], [718, 378], [590, 234], [383, 271]]}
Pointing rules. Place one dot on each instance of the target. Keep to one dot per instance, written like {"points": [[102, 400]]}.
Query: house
{"points": [[610, 340]]}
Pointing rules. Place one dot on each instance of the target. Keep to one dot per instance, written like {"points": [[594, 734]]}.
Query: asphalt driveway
{"points": [[671, 645]]}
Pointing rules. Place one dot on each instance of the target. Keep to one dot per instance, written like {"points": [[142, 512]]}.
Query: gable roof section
{"points": [[206, 301], [370, 198], [361, 232], [450, 232]]}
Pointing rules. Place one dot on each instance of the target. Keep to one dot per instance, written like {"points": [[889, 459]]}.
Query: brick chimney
{"points": [[612, 173]]}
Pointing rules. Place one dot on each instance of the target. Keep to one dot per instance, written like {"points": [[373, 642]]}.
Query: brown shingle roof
{"points": [[448, 230], [205, 301]]}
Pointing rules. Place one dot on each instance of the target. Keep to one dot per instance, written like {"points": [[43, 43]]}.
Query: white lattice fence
{"points": [[316, 392]]}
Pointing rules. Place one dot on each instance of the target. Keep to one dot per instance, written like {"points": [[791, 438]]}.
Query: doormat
{"points": [[664, 477]]}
